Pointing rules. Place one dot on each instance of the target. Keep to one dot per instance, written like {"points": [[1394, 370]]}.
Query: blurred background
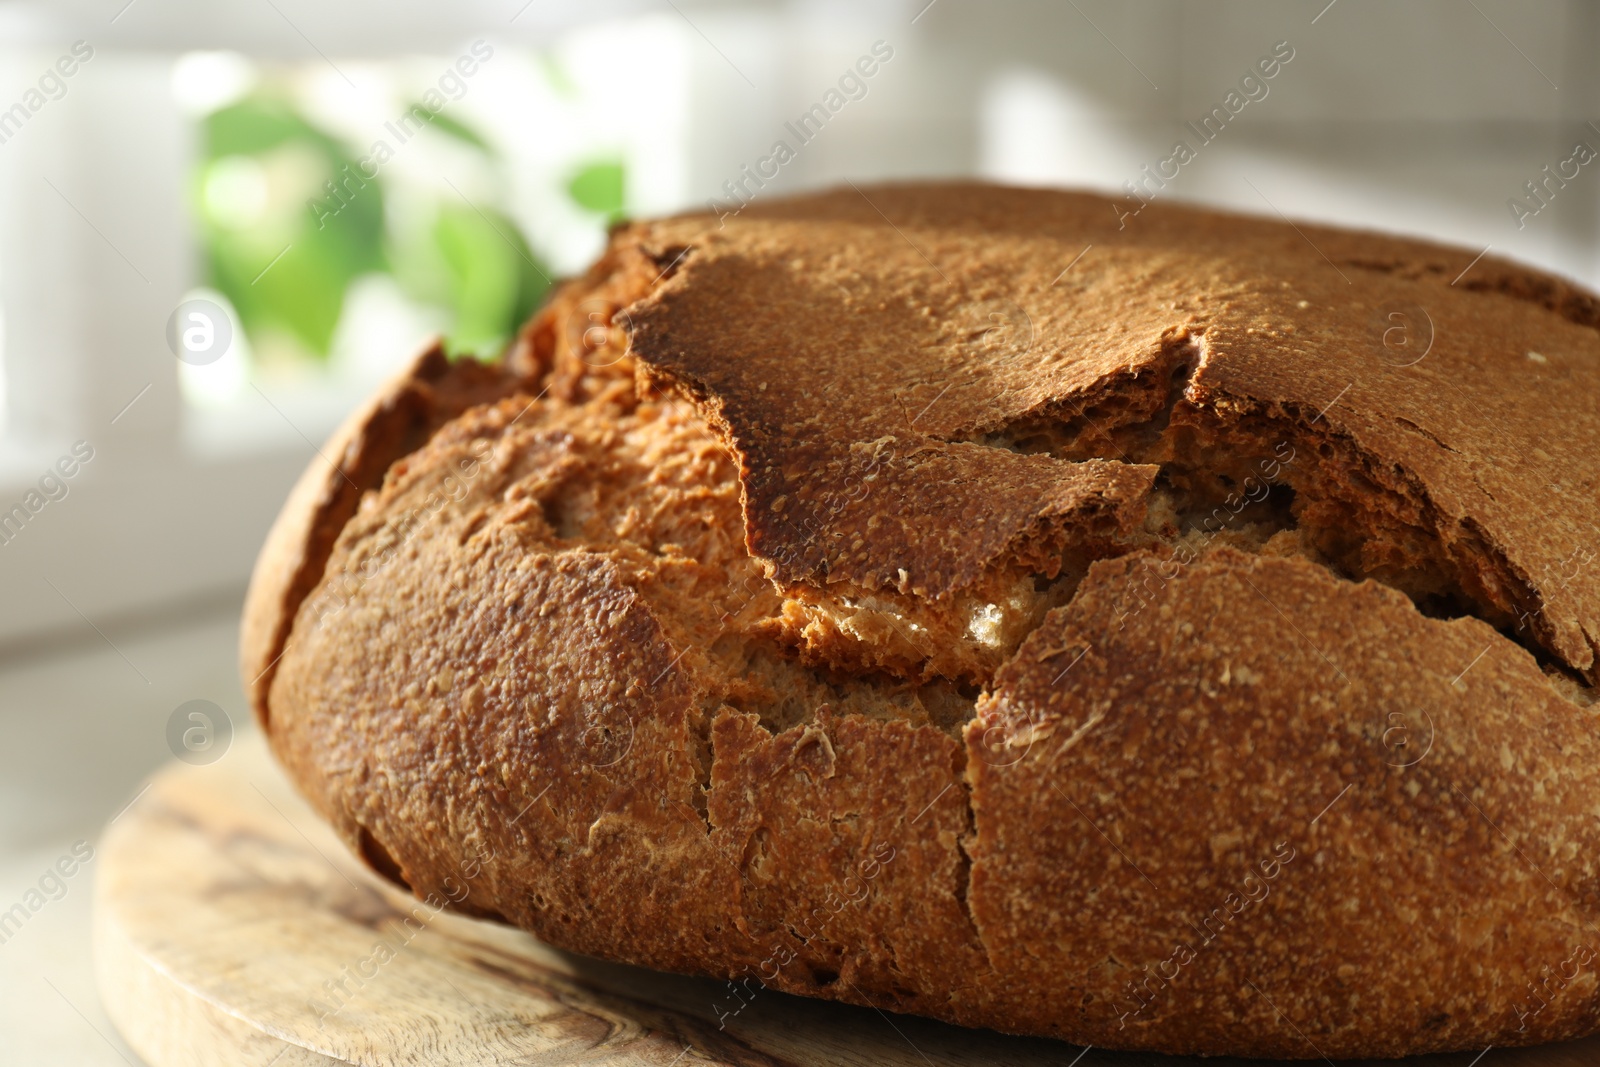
{"points": [[341, 179]]}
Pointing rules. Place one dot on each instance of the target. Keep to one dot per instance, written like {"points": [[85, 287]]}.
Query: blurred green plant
{"points": [[290, 217], [600, 187], [473, 260], [263, 249]]}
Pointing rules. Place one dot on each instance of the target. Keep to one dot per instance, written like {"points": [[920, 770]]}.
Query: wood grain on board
{"points": [[232, 927]]}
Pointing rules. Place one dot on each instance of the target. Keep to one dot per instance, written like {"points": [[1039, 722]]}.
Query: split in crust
{"points": [[1186, 644]]}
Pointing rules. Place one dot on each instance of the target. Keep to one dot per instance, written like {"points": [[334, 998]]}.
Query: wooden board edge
{"points": [[168, 1025]]}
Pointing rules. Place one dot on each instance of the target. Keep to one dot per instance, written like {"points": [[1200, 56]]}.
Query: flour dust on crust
{"points": [[846, 601]]}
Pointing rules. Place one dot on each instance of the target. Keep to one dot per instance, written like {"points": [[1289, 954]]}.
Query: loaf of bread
{"points": [[1173, 632]]}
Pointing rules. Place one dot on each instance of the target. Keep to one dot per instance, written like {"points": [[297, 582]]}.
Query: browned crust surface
{"points": [[878, 609], [930, 313], [1270, 793], [428, 392]]}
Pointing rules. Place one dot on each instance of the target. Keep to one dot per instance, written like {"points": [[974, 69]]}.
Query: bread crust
{"points": [[395, 421], [1144, 653]]}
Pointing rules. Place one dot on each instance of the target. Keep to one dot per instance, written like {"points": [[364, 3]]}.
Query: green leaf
{"points": [[288, 271], [600, 187], [474, 262], [256, 124], [286, 262], [557, 76], [455, 128], [301, 295]]}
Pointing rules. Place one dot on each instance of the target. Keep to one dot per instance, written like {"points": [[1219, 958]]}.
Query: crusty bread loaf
{"points": [[1170, 633]]}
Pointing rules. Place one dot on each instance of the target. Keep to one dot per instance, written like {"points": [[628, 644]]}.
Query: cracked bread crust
{"points": [[873, 610], [933, 314], [1226, 817]]}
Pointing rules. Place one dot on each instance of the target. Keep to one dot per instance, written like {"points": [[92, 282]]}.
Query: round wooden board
{"points": [[232, 927]]}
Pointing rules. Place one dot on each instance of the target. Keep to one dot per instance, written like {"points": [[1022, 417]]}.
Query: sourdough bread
{"points": [[1174, 636]]}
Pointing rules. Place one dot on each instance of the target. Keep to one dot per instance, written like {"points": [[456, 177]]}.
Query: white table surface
{"points": [[82, 724]]}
